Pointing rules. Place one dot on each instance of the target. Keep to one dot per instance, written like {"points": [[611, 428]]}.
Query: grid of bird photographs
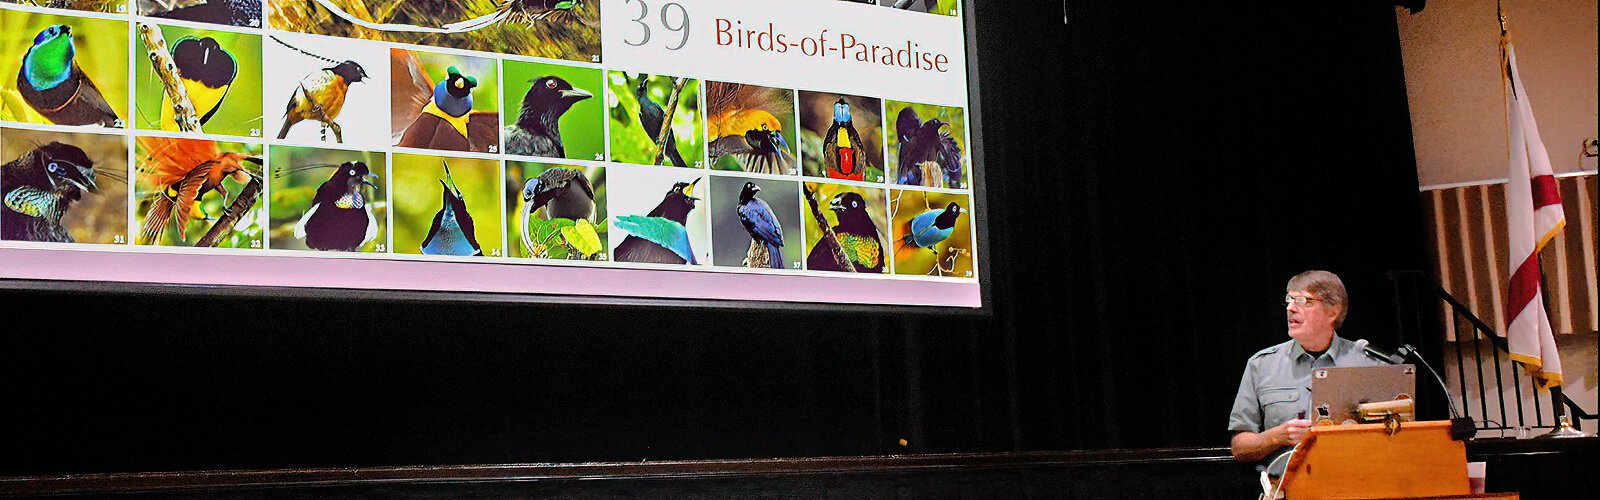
{"points": [[107, 6], [456, 130]]}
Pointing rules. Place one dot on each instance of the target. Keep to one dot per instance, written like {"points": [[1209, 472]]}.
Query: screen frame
{"points": [[981, 242]]}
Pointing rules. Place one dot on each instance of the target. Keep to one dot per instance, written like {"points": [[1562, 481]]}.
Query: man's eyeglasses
{"points": [[1301, 300]]}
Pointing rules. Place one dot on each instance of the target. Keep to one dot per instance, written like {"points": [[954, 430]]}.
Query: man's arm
{"points": [[1253, 446]]}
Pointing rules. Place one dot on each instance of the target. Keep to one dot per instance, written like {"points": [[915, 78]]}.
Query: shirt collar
{"points": [[1336, 349]]}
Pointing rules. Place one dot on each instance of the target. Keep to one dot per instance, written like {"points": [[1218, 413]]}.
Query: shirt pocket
{"points": [[1279, 405]]}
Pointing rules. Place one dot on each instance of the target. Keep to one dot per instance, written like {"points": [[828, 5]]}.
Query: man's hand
{"points": [[1252, 446], [1293, 431]]}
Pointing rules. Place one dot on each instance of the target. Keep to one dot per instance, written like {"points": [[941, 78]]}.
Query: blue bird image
{"points": [[766, 234], [660, 236], [932, 227], [452, 232]]}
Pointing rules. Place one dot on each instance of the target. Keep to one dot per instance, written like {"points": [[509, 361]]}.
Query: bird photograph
{"points": [[246, 13], [326, 199], [445, 206], [659, 217], [755, 222], [932, 233], [552, 112], [856, 218], [63, 187], [109, 6], [63, 70], [221, 73], [445, 102], [637, 107], [841, 136], [925, 145], [750, 128], [941, 7], [558, 211], [332, 92], [189, 188], [552, 29]]}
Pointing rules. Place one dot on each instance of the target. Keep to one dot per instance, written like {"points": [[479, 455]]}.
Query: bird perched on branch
{"points": [[340, 217], [182, 172], [652, 116], [320, 95], [840, 147], [452, 232], [207, 71], [931, 227], [857, 235], [38, 188], [766, 233], [928, 155], [52, 83], [537, 131], [227, 12], [660, 236], [437, 116]]}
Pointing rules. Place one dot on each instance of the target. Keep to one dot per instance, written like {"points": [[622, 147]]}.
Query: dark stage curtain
{"points": [[1155, 173]]}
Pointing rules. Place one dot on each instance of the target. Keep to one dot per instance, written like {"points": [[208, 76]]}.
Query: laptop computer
{"points": [[1335, 392]]}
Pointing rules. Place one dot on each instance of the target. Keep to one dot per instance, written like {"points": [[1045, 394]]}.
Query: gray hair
{"points": [[1327, 287]]}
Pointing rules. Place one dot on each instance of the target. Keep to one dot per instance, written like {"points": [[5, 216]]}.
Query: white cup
{"points": [[1475, 473]]}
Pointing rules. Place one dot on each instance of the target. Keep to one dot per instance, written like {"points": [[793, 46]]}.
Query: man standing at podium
{"points": [[1269, 413]]}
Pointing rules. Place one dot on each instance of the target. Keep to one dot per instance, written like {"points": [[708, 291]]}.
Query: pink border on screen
{"points": [[377, 274]]}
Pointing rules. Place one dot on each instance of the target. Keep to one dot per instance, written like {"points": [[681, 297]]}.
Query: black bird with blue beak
{"points": [[38, 189], [340, 217]]}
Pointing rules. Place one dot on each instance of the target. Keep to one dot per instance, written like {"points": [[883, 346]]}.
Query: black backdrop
{"points": [[1155, 174]]}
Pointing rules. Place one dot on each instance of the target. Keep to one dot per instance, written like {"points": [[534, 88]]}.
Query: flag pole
{"points": [[1558, 399]]}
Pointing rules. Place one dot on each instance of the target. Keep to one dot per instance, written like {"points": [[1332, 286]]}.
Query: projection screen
{"points": [[817, 153]]}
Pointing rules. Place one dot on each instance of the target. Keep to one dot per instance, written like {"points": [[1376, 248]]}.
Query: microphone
{"points": [[1366, 348], [1461, 428]]}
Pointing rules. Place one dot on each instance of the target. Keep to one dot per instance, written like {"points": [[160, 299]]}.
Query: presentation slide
{"points": [[812, 151]]}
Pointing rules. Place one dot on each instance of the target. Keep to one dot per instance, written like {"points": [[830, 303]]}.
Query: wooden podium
{"points": [[1367, 461]]}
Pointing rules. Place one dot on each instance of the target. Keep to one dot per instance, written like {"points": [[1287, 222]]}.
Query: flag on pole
{"points": [[1534, 217]]}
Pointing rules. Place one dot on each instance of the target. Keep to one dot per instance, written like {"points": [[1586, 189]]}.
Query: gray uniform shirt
{"points": [[1276, 386]]}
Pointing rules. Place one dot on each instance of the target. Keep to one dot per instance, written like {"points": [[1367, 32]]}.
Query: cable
{"points": [[1278, 488], [1408, 350]]}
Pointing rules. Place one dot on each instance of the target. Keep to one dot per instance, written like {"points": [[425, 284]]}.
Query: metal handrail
{"points": [[1481, 330]]}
